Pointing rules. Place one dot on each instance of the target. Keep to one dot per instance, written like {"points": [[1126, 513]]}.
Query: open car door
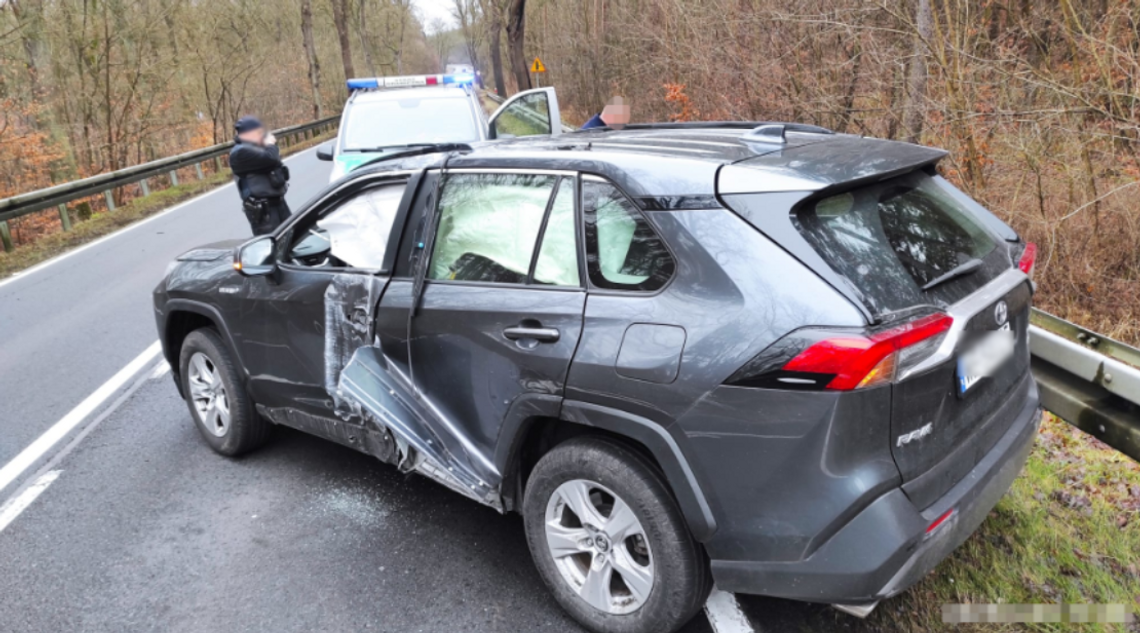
{"points": [[529, 113]]}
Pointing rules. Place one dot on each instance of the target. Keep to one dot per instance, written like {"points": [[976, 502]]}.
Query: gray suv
{"points": [[789, 361]]}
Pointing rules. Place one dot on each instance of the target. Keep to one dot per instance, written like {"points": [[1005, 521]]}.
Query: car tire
{"points": [[216, 397], [566, 550]]}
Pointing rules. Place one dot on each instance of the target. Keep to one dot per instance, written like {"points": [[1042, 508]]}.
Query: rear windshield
{"points": [[374, 125], [902, 239]]}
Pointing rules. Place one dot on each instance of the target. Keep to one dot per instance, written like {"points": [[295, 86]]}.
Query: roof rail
{"points": [[739, 125]]}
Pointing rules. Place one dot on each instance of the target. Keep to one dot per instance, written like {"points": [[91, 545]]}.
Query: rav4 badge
{"points": [[918, 434]]}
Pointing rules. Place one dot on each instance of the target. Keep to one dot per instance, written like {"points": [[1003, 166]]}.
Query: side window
{"points": [[622, 250], [488, 226], [352, 235], [557, 263], [529, 115]]}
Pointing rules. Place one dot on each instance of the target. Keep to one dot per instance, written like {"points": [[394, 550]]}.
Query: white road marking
{"points": [[725, 615], [16, 505], [60, 258], [161, 370], [37, 449]]}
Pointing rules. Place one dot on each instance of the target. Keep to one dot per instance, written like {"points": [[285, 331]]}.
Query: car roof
{"points": [[396, 94], [675, 166]]}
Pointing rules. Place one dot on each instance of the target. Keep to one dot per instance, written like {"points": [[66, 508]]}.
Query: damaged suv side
{"points": [[788, 360]]}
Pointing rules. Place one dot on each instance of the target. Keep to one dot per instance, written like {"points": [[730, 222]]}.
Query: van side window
{"points": [[622, 250]]}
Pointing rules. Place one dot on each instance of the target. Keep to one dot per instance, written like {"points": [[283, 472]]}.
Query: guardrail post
{"points": [[64, 217], [109, 196], [198, 170], [218, 164], [6, 237], [173, 177], [144, 185]]}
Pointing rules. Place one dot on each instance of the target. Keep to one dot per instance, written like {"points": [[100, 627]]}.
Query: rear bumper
{"points": [[884, 549]]}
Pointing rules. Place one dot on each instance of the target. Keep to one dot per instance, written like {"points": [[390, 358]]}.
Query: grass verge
{"points": [[100, 224]]}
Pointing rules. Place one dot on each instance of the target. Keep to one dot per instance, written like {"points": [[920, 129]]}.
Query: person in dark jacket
{"points": [[262, 179], [615, 116]]}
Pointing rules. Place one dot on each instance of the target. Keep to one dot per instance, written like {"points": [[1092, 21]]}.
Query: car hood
{"points": [[210, 252]]}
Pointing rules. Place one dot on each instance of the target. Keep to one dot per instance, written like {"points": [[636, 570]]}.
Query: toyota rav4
{"points": [[789, 361]]}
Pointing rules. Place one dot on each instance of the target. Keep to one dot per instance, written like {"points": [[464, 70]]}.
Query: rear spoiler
{"points": [[839, 162]]}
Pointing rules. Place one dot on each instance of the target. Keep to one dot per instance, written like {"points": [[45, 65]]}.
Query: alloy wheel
{"points": [[208, 394], [599, 547]]}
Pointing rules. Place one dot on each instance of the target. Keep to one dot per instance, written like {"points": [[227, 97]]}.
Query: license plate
{"points": [[985, 357]]}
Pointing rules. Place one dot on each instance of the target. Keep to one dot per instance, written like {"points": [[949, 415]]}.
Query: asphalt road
{"points": [[138, 526]]}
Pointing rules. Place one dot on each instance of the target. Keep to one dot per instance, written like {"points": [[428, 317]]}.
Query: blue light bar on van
{"points": [[406, 81]]}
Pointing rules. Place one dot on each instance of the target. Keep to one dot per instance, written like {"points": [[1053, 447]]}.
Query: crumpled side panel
{"points": [[349, 304]]}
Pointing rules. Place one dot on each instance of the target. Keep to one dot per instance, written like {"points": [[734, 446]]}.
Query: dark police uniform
{"points": [[262, 181]]}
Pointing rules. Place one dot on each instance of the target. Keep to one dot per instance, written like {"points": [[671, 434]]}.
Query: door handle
{"points": [[541, 334]]}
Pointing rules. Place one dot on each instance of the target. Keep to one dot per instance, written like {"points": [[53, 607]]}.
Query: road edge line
{"points": [[724, 613], [11, 510], [34, 452]]}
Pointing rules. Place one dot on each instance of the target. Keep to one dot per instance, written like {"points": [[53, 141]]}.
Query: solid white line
{"points": [[14, 507], [37, 449], [60, 258], [725, 615]]}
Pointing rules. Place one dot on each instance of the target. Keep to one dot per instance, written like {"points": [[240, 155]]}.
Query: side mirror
{"points": [[255, 257], [325, 151]]}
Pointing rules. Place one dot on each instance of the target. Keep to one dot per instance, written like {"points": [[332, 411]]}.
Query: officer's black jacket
{"points": [[258, 170]]}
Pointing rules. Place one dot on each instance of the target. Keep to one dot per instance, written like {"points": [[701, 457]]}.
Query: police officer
{"points": [[262, 179]]}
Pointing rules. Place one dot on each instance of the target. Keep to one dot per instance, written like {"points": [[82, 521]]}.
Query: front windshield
{"points": [[380, 124]]}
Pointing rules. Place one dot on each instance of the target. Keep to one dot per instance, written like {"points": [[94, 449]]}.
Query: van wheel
{"points": [[222, 410], [609, 540]]}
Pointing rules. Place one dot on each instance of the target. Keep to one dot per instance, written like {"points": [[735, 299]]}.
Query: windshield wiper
{"points": [[389, 147], [961, 270]]}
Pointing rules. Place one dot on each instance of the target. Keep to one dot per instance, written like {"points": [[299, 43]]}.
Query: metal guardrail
{"points": [[1088, 380], [59, 195]]}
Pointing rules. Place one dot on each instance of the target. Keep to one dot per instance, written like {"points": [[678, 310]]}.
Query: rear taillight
{"points": [[844, 361], [1028, 261]]}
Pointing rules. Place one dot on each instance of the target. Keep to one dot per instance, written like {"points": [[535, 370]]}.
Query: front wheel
{"points": [[609, 541], [222, 410]]}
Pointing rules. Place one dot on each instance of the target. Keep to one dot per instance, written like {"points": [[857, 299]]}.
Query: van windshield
{"points": [[899, 239], [374, 125]]}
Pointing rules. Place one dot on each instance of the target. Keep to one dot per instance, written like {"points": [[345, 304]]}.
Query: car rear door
{"points": [[529, 113]]}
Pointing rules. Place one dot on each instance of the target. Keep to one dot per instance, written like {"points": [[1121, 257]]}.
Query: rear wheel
{"points": [[218, 403], [609, 541]]}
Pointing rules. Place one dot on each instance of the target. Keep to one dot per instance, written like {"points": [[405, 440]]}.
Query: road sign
{"points": [[537, 66]]}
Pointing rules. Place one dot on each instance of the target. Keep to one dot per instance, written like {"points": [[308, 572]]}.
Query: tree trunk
{"points": [[341, 20], [363, 41], [916, 82], [311, 55], [516, 37], [494, 15]]}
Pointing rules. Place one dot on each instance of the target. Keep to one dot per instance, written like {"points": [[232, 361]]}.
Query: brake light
{"points": [[858, 361], [1028, 262]]}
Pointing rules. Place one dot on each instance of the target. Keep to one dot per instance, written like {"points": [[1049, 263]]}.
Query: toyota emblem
{"points": [[1001, 313]]}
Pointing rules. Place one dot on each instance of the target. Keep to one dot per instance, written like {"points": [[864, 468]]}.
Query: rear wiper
{"points": [[961, 270]]}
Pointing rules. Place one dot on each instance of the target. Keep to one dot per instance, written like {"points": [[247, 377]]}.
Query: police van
{"points": [[389, 114]]}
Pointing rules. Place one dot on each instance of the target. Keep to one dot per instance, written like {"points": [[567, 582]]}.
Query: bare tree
{"points": [[311, 55], [916, 81], [516, 38], [340, 19], [493, 16]]}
